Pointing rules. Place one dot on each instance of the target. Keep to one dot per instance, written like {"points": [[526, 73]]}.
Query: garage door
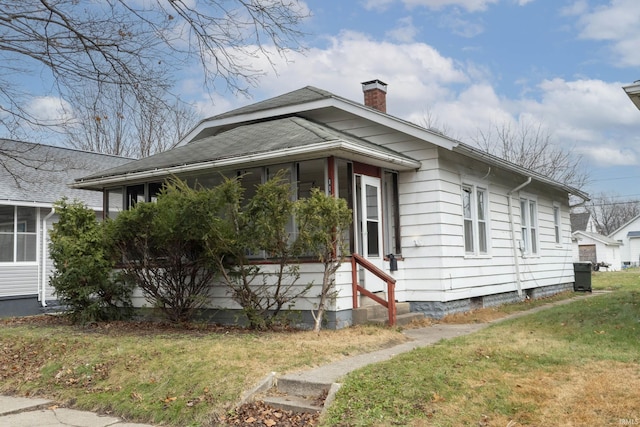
{"points": [[588, 253]]}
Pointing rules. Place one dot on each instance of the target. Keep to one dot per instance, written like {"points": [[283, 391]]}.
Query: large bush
{"points": [[252, 230], [83, 279], [162, 248]]}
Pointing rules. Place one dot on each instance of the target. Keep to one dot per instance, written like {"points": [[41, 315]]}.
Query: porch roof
{"points": [[285, 139]]}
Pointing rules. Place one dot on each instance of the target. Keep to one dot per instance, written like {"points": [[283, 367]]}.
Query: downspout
{"points": [[513, 234], [43, 277]]}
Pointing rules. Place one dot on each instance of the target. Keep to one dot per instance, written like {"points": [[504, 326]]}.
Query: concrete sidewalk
{"points": [[26, 412]]}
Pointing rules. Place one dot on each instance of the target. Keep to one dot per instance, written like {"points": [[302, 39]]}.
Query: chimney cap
{"points": [[374, 84]]}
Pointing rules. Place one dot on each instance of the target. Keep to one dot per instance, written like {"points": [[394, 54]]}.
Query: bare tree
{"points": [[430, 121], [531, 146], [136, 46], [111, 121], [610, 212]]}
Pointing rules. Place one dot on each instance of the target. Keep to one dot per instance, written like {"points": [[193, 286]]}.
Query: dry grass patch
{"points": [[161, 374]]}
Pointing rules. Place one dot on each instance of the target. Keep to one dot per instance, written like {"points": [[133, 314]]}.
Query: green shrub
{"points": [[83, 279], [161, 248]]}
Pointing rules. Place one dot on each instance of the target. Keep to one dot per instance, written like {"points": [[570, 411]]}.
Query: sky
{"points": [[469, 65], [473, 64]]}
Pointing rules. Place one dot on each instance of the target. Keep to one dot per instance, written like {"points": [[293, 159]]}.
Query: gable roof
{"points": [[38, 175], [305, 103], [300, 96], [262, 141], [625, 225], [579, 221], [598, 237]]}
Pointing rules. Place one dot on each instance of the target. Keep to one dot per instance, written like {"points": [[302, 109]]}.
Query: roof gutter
{"points": [[514, 241]]}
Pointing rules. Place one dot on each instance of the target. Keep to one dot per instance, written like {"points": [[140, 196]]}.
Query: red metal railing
{"points": [[390, 281]]}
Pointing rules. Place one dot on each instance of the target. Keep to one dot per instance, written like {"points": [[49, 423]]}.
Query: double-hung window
{"points": [[18, 234], [529, 226], [475, 212]]}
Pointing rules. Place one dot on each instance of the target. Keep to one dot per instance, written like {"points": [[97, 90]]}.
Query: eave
{"points": [[633, 92], [338, 148]]}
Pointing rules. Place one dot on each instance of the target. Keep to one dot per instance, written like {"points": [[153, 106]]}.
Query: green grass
{"points": [[173, 377], [489, 378]]}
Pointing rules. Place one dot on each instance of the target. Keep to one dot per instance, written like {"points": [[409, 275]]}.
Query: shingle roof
{"points": [[300, 96], [604, 239], [38, 173], [251, 138], [579, 221]]}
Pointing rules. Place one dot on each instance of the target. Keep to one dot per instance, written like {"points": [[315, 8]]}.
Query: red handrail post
{"points": [[389, 280], [354, 282], [391, 300]]}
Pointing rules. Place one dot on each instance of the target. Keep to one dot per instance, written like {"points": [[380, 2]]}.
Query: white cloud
{"points": [[610, 156], [618, 23], [461, 26], [576, 8], [469, 5], [50, 110], [404, 32], [582, 114]]}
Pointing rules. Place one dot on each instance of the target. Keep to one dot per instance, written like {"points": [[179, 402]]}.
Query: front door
{"points": [[369, 228]]}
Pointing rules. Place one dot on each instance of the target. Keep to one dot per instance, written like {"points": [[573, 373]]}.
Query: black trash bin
{"points": [[582, 273]]}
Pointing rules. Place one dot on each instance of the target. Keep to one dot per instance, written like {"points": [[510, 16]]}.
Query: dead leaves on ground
{"points": [[258, 414]]}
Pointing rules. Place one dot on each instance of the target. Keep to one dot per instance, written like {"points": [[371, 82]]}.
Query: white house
{"points": [[467, 229], [33, 177], [629, 237], [597, 249]]}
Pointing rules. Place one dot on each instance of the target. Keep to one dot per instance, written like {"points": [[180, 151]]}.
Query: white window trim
{"points": [[558, 242], [24, 233], [526, 240], [475, 187]]}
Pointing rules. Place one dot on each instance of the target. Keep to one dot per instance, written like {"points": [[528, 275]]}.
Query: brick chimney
{"points": [[375, 94]]}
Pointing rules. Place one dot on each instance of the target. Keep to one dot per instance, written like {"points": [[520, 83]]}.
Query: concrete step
{"points": [[294, 403], [300, 387], [297, 395], [367, 314], [401, 319]]}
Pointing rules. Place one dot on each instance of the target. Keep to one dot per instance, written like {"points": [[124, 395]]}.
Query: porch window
{"points": [[135, 195], [475, 213], [18, 234], [114, 202], [529, 224], [310, 174]]}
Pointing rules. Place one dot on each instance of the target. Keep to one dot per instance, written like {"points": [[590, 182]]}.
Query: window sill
{"points": [[478, 256]]}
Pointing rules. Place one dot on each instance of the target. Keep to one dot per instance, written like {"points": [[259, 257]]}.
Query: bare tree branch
{"points": [[610, 212], [531, 146], [75, 48]]}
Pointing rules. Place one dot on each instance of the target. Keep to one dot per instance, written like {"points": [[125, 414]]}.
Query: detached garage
{"points": [[597, 249]]}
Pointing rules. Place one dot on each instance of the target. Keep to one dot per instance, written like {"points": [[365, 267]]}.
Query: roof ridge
{"points": [[59, 147]]}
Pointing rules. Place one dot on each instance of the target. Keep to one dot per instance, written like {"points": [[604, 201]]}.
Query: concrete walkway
{"points": [[26, 412]]}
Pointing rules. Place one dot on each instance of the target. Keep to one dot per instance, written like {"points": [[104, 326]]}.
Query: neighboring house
{"points": [[629, 237], [601, 251], [633, 92], [466, 228], [590, 246], [33, 177], [583, 221]]}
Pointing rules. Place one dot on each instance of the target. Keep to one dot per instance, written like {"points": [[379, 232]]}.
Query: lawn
{"points": [[173, 376], [571, 365]]}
